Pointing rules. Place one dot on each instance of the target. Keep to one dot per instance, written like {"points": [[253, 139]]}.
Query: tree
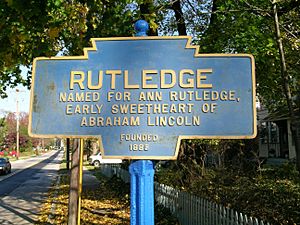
{"points": [[65, 27], [3, 131], [286, 86], [249, 27], [45, 28], [9, 136], [22, 27]]}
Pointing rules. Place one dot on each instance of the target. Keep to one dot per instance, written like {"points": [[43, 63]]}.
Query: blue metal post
{"points": [[142, 192], [141, 174]]}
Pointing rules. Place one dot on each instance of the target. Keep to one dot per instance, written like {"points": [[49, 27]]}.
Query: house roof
{"points": [[281, 114]]}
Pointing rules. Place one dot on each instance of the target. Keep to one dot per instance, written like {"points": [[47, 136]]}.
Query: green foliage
{"points": [[248, 27], [164, 216], [22, 38], [43, 28], [241, 181], [170, 175], [286, 171], [3, 130]]}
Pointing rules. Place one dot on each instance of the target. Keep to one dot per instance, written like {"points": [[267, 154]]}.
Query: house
{"points": [[274, 133]]}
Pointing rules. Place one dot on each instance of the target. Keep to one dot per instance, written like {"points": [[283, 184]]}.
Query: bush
{"points": [[273, 194]]}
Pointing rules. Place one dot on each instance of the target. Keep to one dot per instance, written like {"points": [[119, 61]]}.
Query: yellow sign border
{"points": [[180, 137]]}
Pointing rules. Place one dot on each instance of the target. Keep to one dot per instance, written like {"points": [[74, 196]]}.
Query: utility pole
{"points": [[286, 86], [18, 125]]}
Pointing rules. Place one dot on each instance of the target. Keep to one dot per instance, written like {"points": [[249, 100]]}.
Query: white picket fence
{"points": [[189, 209]]}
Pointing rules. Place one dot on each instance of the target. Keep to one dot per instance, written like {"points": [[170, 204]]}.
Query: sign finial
{"points": [[141, 27]]}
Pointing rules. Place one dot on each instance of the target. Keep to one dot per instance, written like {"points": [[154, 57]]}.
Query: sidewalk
{"points": [[89, 181]]}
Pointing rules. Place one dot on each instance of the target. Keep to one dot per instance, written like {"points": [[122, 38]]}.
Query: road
{"points": [[23, 191]]}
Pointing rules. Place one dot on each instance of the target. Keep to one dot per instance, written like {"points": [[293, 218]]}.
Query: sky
{"points": [[9, 104]]}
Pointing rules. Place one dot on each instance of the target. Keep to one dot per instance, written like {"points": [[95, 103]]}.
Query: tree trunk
{"points": [[212, 31], [146, 9], [213, 16], [286, 87], [179, 17]]}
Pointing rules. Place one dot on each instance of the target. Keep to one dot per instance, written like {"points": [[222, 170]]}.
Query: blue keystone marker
{"points": [[142, 95]]}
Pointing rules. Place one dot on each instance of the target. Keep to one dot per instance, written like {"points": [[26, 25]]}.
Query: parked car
{"points": [[5, 166], [97, 159]]}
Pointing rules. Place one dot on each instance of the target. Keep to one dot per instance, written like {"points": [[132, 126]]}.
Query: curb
{"points": [[51, 216]]}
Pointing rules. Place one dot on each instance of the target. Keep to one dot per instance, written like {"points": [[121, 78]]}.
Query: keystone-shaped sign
{"points": [[142, 95]]}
